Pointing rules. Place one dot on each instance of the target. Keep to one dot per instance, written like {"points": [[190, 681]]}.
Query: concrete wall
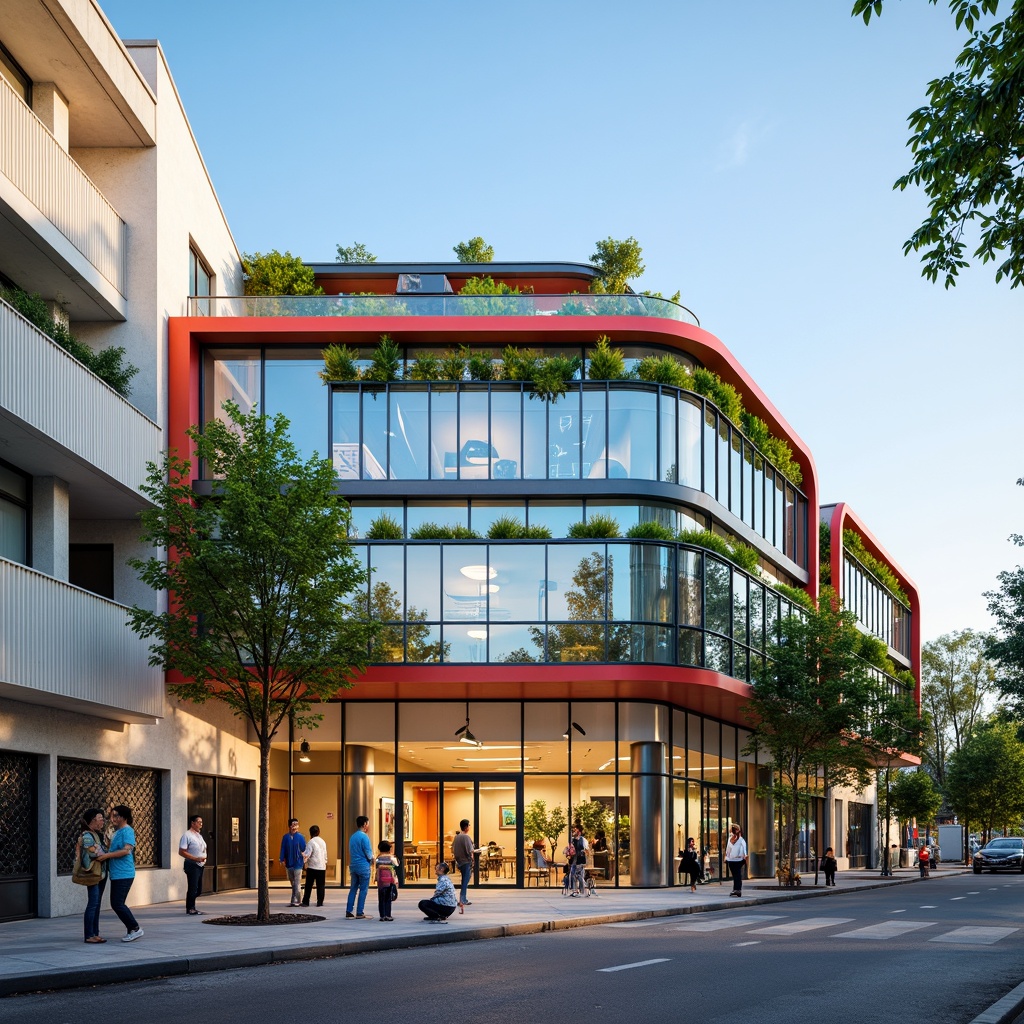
{"points": [[205, 739]]}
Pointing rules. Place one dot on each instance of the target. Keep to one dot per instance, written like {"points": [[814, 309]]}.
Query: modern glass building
{"points": [[603, 675]]}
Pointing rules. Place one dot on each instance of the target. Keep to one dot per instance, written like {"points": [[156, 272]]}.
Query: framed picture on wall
{"points": [[387, 819], [507, 816], [407, 833]]}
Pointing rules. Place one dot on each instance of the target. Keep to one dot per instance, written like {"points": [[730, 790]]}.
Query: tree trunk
{"points": [[262, 852]]}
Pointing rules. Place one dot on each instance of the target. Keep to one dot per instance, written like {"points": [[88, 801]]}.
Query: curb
{"points": [[179, 966]]}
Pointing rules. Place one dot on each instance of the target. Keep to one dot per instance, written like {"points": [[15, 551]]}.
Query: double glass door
{"points": [[434, 805], [720, 807]]}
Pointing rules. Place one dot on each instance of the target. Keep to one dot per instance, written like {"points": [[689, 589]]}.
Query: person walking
{"points": [[578, 868], [829, 865], [463, 850], [360, 861], [90, 847], [387, 880], [924, 856], [193, 848], [315, 858], [735, 858], [293, 846], [120, 860], [689, 863], [442, 904]]}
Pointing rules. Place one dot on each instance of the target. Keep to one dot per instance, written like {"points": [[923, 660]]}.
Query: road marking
{"points": [[974, 892], [955, 898], [897, 911], [928, 906], [642, 924], [808, 925], [720, 921], [885, 930], [975, 935], [629, 967], [756, 942]]}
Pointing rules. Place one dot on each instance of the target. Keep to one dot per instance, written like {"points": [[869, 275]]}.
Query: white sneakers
{"points": [[132, 936]]}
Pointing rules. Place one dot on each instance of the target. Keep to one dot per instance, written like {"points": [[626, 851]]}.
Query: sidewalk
{"points": [[47, 953]]}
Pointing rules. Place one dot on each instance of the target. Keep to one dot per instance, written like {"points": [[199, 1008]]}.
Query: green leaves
{"points": [[476, 250], [276, 273], [968, 146], [619, 261], [355, 253]]}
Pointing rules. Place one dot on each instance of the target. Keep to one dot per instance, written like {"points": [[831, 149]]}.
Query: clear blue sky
{"points": [[750, 147]]}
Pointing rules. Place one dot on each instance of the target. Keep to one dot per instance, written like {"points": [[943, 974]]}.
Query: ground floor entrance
{"points": [[425, 817], [224, 807]]}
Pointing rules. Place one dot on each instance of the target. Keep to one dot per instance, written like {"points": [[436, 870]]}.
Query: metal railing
{"points": [[50, 179], [440, 305]]}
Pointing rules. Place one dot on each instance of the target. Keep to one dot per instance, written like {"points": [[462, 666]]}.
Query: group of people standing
{"points": [[736, 856]]}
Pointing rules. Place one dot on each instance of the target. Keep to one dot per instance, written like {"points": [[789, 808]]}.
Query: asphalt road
{"points": [[941, 951]]}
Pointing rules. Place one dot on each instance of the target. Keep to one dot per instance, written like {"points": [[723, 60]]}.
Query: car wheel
{"points": [[977, 871]]}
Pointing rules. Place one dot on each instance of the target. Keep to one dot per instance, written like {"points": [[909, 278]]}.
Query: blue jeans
{"points": [[467, 873], [360, 884], [92, 909], [119, 889]]}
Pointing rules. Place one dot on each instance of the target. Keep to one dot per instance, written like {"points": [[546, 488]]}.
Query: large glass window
{"points": [[632, 434], [200, 282], [410, 433], [293, 388]]}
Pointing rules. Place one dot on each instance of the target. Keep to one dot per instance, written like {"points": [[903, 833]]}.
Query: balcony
{"points": [[66, 648], [64, 421], [58, 233], [440, 305]]}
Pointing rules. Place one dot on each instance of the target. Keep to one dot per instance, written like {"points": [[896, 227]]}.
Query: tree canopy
{"points": [[276, 273], [476, 250], [1006, 644], [258, 576], [957, 678], [985, 779], [968, 146], [619, 262], [354, 253], [913, 795]]}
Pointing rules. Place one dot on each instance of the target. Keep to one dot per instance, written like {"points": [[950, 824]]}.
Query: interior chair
{"points": [[538, 869]]}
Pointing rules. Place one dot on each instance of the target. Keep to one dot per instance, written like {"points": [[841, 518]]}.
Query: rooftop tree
{"points": [[476, 250], [619, 262], [258, 578], [354, 253], [277, 273]]}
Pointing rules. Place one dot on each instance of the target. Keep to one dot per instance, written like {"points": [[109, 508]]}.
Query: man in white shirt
{"points": [[193, 848], [315, 856]]}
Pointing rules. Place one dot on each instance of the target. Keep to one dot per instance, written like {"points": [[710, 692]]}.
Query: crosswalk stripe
{"points": [[808, 925], [975, 935], [628, 967], [885, 930], [719, 921]]}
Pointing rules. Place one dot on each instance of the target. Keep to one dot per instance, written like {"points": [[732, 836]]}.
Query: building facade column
{"points": [[51, 501], [649, 851]]}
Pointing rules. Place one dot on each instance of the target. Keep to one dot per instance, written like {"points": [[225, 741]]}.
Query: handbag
{"points": [[394, 892], [91, 875]]}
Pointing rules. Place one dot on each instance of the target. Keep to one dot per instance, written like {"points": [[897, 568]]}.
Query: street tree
{"points": [[1006, 644], [257, 577], [896, 728], [913, 797], [619, 262], [476, 250], [957, 682], [277, 273], [354, 253], [540, 823], [985, 779], [968, 146], [811, 706]]}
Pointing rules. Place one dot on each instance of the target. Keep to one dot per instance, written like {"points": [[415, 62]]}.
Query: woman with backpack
{"points": [[387, 880]]}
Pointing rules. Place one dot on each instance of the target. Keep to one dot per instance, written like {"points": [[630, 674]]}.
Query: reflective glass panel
{"points": [[668, 462], [483, 513], [231, 376], [424, 574], [444, 453], [632, 434], [689, 443], [710, 451], [690, 587], [517, 589], [409, 434], [564, 437], [577, 587], [557, 516], [294, 389], [506, 432], [739, 606], [515, 644], [387, 582], [375, 434], [468, 578], [370, 728], [345, 446], [535, 444], [592, 433], [476, 454]]}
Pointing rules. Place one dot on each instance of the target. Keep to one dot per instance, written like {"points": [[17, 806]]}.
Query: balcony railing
{"points": [[51, 392], [50, 179], [72, 649], [441, 305]]}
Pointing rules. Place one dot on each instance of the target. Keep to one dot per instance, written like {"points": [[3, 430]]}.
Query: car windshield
{"points": [[1005, 844]]}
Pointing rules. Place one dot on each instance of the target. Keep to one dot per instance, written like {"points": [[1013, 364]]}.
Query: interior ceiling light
{"points": [[503, 760], [304, 751], [465, 736], [573, 725]]}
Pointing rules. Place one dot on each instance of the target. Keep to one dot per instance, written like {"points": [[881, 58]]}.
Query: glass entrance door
{"points": [[720, 807], [435, 805]]}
